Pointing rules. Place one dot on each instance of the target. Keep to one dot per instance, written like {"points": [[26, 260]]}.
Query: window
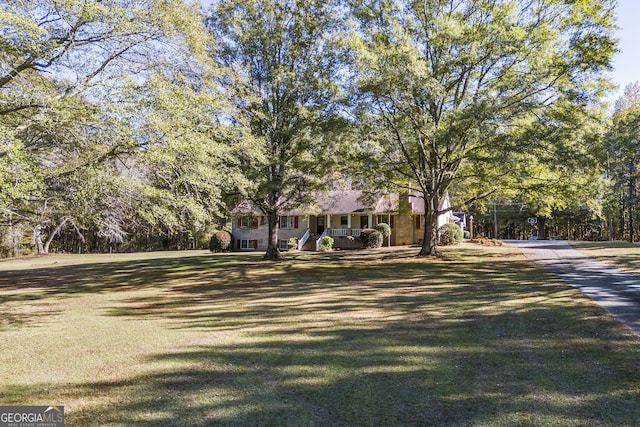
{"points": [[288, 222], [385, 219], [248, 222], [248, 244], [364, 221], [284, 245], [344, 220]]}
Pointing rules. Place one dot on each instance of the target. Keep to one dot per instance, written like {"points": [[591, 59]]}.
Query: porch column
{"points": [[348, 220], [328, 221], [369, 220]]}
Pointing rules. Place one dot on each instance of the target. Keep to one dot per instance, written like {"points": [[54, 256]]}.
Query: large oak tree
{"points": [[282, 78], [445, 84]]}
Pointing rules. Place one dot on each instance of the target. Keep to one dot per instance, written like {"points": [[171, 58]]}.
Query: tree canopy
{"points": [[447, 86], [282, 67], [72, 78], [623, 162], [122, 120]]}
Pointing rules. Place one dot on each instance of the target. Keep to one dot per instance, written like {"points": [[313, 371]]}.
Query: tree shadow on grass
{"points": [[623, 255], [617, 244], [396, 342], [243, 299], [404, 372], [196, 275], [28, 296]]}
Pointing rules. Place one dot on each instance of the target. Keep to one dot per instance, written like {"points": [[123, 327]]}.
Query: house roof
{"points": [[343, 201], [338, 201], [348, 201]]}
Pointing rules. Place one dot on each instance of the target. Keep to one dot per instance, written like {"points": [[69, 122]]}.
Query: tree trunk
{"points": [[53, 234], [430, 241], [632, 186], [611, 231], [542, 233], [37, 237], [273, 249], [16, 245], [622, 219], [14, 235]]}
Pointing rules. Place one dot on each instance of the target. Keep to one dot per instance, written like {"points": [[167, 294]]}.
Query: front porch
{"points": [[335, 225], [343, 238]]}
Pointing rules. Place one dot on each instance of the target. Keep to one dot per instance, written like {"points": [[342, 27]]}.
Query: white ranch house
{"points": [[341, 214]]}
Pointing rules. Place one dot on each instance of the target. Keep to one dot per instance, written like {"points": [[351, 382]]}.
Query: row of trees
{"points": [[122, 119], [597, 201], [97, 136], [622, 149]]}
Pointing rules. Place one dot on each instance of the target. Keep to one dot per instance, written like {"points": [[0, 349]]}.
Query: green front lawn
{"points": [[623, 255], [359, 338]]}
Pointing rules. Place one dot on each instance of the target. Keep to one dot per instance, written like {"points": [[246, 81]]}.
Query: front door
{"points": [[320, 225], [364, 221]]}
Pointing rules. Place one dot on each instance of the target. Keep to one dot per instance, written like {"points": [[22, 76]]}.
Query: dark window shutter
{"points": [[391, 221], [255, 244], [418, 222], [295, 221], [238, 244], [240, 222]]}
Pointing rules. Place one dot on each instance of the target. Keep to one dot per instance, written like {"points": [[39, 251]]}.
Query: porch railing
{"points": [[319, 241], [343, 232], [303, 239]]}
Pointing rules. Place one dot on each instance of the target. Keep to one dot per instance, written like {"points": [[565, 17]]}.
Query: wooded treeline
{"points": [[605, 203], [139, 125]]}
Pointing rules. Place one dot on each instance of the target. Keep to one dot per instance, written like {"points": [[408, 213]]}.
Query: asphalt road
{"points": [[613, 289]]}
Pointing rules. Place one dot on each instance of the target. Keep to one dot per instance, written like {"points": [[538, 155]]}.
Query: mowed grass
{"points": [[362, 338], [623, 255]]}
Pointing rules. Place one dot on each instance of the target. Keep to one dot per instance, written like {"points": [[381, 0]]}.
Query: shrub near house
{"points": [[450, 234], [371, 238], [292, 243], [220, 241], [326, 243], [384, 228]]}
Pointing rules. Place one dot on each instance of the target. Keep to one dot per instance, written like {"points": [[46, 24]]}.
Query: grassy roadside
{"points": [[345, 338], [623, 255]]}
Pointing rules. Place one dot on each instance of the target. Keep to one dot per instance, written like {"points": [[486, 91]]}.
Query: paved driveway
{"points": [[618, 292]]}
